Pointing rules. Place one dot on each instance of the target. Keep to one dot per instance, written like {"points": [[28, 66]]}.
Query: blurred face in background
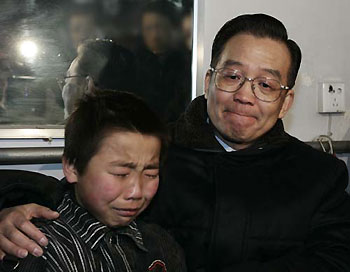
{"points": [[82, 26], [157, 32], [187, 30]]}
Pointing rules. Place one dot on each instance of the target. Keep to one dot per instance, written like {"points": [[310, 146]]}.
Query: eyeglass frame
{"points": [[61, 81], [251, 80]]}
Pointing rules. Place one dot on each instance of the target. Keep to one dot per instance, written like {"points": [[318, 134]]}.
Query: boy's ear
{"points": [[69, 171]]}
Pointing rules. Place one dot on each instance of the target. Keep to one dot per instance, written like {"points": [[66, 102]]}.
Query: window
{"points": [[49, 57]]}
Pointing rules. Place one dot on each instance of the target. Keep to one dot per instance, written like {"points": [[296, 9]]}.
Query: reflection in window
{"points": [[49, 56]]}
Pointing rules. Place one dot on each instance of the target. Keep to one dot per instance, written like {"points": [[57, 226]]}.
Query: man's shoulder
{"points": [[155, 235], [152, 231], [19, 187], [299, 147], [315, 162], [160, 243]]}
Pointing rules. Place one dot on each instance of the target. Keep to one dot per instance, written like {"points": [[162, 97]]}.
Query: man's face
{"points": [[239, 117], [75, 85], [121, 179], [156, 32]]}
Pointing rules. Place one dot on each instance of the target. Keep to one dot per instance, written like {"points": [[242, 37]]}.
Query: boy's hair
{"points": [[104, 112], [261, 26]]}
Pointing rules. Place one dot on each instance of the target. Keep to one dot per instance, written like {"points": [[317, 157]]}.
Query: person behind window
{"points": [[187, 28], [166, 73], [82, 24], [100, 64]]}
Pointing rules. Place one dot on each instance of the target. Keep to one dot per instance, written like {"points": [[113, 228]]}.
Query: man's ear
{"points": [[91, 87], [207, 83], [69, 171], [287, 103]]}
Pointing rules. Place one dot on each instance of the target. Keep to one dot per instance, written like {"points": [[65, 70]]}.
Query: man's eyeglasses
{"points": [[264, 89], [62, 81]]}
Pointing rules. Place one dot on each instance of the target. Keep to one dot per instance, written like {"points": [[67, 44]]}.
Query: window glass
{"points": [[49, 55]]}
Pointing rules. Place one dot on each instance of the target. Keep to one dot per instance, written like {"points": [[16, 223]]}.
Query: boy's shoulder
{"points": [[28, 264], [31, 263]]}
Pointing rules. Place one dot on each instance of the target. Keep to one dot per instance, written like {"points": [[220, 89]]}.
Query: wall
{"points": [[320, 29]]}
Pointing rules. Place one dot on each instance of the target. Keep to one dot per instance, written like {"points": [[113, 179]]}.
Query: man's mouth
{"points": [[241, 114]]}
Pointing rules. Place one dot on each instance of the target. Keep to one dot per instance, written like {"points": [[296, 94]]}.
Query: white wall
{"points": [[321, 28]]}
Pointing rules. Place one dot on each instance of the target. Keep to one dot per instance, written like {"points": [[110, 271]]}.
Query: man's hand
{"points": [[15, 226]]}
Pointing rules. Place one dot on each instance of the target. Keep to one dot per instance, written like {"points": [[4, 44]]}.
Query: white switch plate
{"points": [[331, 97]]}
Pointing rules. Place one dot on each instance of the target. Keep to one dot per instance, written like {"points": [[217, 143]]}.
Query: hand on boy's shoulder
{"points": [[161, 244]]}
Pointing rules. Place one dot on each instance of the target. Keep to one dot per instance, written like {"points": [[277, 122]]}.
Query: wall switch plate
{"points": [[331, 97]]}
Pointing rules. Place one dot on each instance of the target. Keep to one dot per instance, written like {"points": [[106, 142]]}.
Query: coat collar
{"points": [[192, 130]]}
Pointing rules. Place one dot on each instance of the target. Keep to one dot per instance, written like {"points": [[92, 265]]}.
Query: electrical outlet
{"points": [[331, 97]]}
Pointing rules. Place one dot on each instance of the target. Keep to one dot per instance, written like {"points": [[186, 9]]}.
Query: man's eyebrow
{"points": [[232, 62], [273, 72]]}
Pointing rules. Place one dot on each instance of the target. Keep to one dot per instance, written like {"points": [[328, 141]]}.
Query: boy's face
{"points": [[121, 179]]}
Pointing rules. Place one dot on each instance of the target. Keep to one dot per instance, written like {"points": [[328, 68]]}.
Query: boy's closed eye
{"points": [[152, 174], [124, 172]]}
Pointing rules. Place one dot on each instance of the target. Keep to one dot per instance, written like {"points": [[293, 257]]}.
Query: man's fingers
{"points": [[34, 210], [2, 255], [30, 230], [15, 227], [21, 241], [11, 248]]}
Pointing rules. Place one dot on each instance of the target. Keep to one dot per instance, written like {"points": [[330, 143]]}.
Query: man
{"points": [[100, 64], [165, 70], [239, 193]]}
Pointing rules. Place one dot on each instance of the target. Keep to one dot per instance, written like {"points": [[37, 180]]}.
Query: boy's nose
{"points": [[134, 191]]}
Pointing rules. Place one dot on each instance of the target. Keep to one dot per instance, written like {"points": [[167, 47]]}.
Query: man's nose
{"points": [[244, 94], [134, 190]]}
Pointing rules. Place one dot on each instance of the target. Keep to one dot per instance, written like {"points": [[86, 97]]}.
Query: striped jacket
{"points": [[78, 242]]}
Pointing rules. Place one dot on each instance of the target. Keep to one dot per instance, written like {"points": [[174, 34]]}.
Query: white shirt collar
{"points": [[222, 143]]}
